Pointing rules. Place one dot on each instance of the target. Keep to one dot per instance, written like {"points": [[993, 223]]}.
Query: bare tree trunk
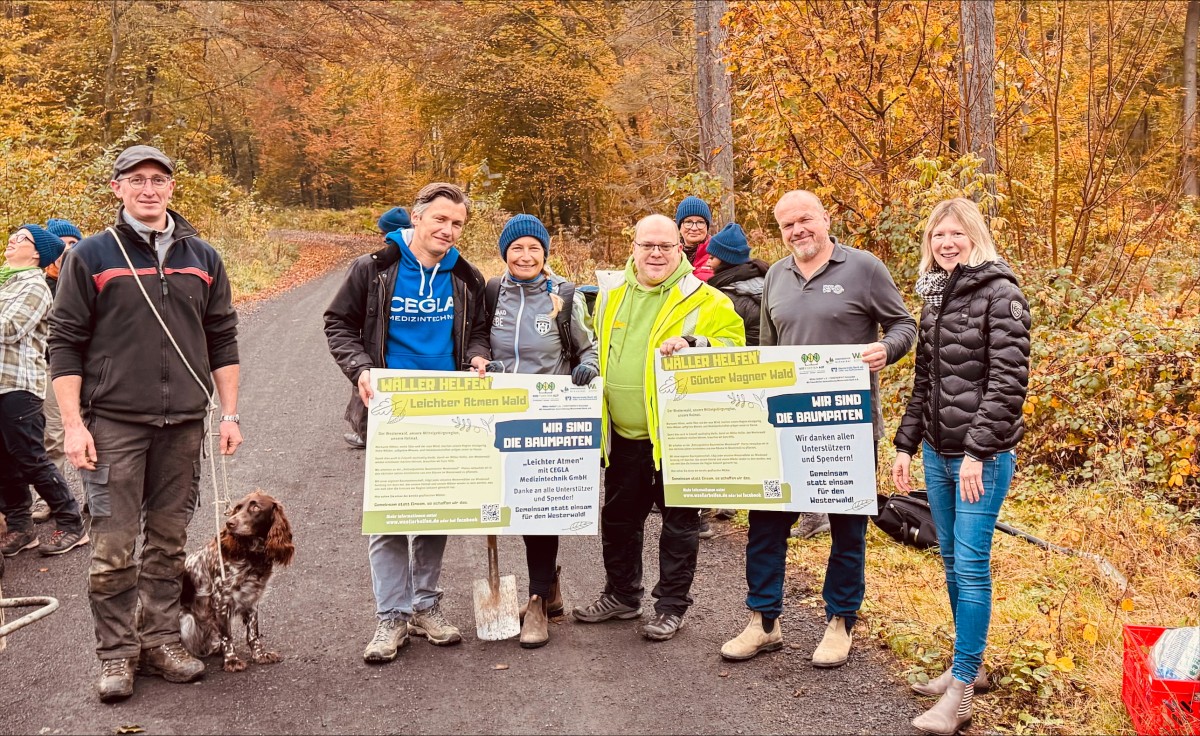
{"points": [[110, 71], [714, 99], [1191, 186], [976, 81]]}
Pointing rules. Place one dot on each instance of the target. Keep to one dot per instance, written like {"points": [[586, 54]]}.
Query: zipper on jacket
{"points": [[935, 361], [517, 332]]}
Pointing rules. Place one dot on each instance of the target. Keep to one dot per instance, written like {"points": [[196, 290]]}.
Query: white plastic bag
{"points": [[1176, 654]]}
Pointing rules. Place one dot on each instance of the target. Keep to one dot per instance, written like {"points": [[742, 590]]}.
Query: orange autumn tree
{"points": [[839, 98]]}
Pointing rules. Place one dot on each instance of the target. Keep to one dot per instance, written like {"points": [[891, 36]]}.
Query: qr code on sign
{"points": [[772, 490], [489, 513]]}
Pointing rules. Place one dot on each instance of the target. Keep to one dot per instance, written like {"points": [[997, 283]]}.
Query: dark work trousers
{"points": [[631, 486], [146, 481], [541, 556], [845, 572], [23, 462]]}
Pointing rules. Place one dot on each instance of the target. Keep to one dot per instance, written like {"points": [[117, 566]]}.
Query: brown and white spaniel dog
{"points": [[256, 537]]}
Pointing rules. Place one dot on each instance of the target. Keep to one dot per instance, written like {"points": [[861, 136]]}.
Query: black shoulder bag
{"points": [[907, 519]]}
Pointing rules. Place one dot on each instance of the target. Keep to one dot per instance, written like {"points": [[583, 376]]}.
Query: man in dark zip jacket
{"points": [[415, 304], [133, 411]]}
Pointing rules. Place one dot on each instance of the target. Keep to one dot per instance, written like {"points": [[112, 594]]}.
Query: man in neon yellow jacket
{"points": [[659, 308]]}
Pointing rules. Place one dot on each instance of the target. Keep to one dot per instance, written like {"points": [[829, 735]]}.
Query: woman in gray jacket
{"points": [[539, 325]]}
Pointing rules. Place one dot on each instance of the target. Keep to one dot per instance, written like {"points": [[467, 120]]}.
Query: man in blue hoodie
{"points": [[414, 304]]}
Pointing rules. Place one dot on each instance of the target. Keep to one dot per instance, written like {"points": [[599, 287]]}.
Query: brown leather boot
{"points": [[554, 604], [535, 630], [951, 713], [116, 679]]}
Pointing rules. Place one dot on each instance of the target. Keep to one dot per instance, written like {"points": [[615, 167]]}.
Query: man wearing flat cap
{"points": [[134, 395]]}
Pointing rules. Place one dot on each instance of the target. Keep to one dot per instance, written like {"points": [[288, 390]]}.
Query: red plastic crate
{"points": [[1156, 706]]}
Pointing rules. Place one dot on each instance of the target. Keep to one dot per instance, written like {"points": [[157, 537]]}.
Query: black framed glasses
{"points": [[660, 247]]}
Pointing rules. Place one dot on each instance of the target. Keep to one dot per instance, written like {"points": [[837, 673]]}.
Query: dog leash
{"points": [[218, 502]]}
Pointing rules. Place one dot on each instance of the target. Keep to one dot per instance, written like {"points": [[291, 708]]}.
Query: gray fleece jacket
{"points": [[524, 334]]}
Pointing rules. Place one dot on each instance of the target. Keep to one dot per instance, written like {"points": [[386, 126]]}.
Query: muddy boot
{"points": [[938, 685], [951, 713], [116, 679], [535, 630], [753, 640]]}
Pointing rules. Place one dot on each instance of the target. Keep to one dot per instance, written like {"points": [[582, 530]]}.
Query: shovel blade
{"points": [[497, 612]]}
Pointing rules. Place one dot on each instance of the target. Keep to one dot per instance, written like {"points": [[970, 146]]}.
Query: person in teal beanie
{"points": [[394, 219], [530, 301], [694, 219]]}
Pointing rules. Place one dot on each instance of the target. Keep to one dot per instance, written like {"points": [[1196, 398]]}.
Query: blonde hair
{"points": [[973, 224]]}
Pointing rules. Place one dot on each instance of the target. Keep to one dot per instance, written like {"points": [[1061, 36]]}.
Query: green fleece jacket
{"points": [[633, 321]]}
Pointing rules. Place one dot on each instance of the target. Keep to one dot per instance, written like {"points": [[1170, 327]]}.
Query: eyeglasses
{"points": [[158, 182], [694, 224], [660, 247], [21, 238]]}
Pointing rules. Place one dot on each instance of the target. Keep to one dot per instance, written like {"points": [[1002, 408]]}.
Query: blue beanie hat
{"points": [[49, 246], [63, 228], [730, 245], [394, 219], [520, 226], [693, 206]]}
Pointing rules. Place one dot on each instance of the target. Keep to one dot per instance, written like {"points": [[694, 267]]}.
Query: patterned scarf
{"points": [[931, 284]]}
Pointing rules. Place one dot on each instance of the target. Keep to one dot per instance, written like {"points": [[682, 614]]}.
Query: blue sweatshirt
{"points": [[421, 314]]}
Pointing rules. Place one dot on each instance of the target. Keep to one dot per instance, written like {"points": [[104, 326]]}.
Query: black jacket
{"points": [[103, 330], [743, 284], [972, 367], [356, 321]]}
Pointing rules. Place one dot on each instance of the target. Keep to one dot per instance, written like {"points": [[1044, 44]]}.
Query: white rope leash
{"points": [[218, 502]]}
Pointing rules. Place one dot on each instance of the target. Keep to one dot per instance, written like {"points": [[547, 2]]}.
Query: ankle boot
{"points": [[554, 604], [951, 713], [938, 685], [535, 630]]}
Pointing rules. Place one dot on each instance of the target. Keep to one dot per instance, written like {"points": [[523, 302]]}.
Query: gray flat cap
{"points": [[135, 155]]}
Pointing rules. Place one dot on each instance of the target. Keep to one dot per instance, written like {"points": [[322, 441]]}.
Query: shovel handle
{"points": [[493, 564]]}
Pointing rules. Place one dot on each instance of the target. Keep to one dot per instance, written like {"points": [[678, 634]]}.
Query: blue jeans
{"points": [[405, 580], [766, 560], [965, 537]]}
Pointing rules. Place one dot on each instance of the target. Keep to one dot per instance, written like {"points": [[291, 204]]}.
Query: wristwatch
{"points": [[231, 418]]}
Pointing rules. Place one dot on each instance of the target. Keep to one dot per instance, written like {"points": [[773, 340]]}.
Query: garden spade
{"points": [[497, 615]]}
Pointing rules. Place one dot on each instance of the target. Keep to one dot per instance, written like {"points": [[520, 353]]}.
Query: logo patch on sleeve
{"points": [[1016, 309]]}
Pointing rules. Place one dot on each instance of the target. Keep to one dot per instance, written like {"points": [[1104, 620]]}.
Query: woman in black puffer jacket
{"points": [[965, 412]]}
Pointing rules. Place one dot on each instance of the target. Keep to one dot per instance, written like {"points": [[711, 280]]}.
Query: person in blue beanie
{"points": [[694, 219], [394, 219], [738, 275], [70, 235], [539, 324], [23, 385]]}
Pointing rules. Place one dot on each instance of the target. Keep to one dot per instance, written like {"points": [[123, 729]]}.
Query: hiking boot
{"points": [[753, 640], [554, 603], [432, 625], [355, 440], [951, 713], [390, 635], [116, 679], [62, 542], [706, 531], [811, 525], [40, 511], [172, 662], [724, 514], [938, 685], [834, 649], [662, 626], [535, 629], [606, 606], [14, 543]]}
